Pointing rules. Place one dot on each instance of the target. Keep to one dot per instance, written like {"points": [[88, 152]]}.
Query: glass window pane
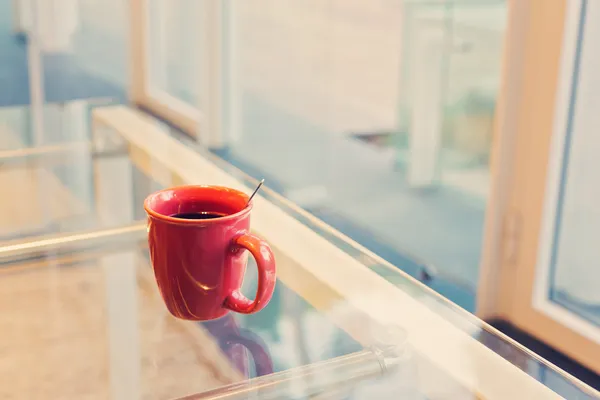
{"points": [[173, 48], [376, 117], [101, 50], [575, 277]]}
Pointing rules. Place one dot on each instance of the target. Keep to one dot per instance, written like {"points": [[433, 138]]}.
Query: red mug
{"points": [[199, 264]]}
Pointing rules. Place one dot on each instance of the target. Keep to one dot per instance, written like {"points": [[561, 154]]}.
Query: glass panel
{"points": [[173, 39], [100, 48], [360, 337], [121, 340], [375, 117], [451, 77], [574, 277], [475, 36], [71, 180], [63, 123]]}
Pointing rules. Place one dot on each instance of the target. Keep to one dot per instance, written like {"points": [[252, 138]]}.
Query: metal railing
{"points": [[69, 243], [333, 378]]}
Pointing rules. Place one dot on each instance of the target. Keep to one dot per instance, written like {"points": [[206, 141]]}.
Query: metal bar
{"points": [[7, 157], [34, 152], [333, 376], [52, 228], [71, 242]]}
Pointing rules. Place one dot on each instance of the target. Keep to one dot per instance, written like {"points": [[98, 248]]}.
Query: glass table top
{"points": [[82, 318]]}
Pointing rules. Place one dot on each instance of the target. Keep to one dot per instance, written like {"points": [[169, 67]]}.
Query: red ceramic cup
{"points": [[199, 264]]}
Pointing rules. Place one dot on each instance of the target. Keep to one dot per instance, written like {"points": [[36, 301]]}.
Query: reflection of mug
{"points": [[232, 341], [197, 237]]}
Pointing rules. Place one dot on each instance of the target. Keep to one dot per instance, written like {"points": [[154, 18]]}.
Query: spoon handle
{"points": [[255, 190]]}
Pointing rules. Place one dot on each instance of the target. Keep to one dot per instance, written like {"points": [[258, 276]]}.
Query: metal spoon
{"points": [[255, 190]]}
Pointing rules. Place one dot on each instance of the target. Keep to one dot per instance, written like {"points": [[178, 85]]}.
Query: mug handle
{"points": [[265, 262]]}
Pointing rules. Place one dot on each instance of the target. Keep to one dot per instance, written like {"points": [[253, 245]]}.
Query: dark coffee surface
{"points": [[199, 215]]}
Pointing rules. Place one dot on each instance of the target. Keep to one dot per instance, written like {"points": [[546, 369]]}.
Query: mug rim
{"points": [[196, 222]]}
